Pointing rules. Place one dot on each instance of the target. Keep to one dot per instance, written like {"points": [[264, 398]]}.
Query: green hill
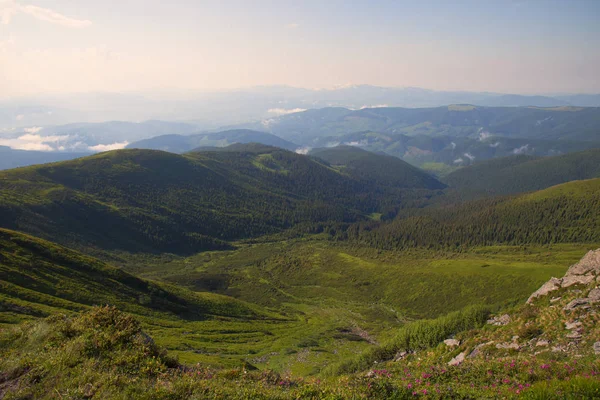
{"points": [[152, 201], [566, 213], [524, 173], [376, 168], [41, 278], [185, 143]]}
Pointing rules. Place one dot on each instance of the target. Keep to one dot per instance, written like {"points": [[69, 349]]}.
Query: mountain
{"points": [[10, 158], [432, 151], [381, 169], [462, 120], [153, 201], [182, 144], [565, 213], [41, 278], [524, 173]]}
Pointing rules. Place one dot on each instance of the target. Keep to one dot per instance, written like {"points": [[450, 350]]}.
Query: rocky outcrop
{"points": [[583, 273], [499, 320], [459, 359]]}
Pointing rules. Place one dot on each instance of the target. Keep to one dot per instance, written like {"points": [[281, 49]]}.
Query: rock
{"points": [[551, 285], [596, 348], [451, 342], [577, 303], [594, 294], [499, 321], [542, 343], [557, 349], [576, 280], [572, 325], [584, 272], [458, 359], [512, 346], [400, 355], [574, 335], [588, 265], [555, 299]]}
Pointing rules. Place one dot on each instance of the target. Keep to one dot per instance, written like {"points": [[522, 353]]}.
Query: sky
{"points": [[75, 46]]}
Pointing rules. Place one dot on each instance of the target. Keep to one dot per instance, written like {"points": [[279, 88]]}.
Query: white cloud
{"points": [[470, 156], [375, 106], [20, 117], [303, 150], [521, 150], [494, 145], [108, 147], [453, 145], [284, 111], [9, 8], [293, 25], [31, 141], [33, 129], [458, 161]]}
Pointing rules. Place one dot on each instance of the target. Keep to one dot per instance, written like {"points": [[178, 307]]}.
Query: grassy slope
{"points": [[150, 201], [524, 174]]}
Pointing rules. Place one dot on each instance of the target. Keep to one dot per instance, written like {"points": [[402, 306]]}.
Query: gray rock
{"points": [[400, 355], [576, 280], [499, 321], [551, 285], [588, 265], [572, 325], [555, 299], [594, 295], [542, 343], [451, 342], [596, 348], [458, 359], [508, 346], [574, 335], [577, 303]]}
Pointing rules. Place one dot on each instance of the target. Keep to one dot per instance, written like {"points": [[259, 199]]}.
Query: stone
{"points": [[508, 346], [499, 321], [551, 285], [574, 335], [400, 355], [555, 299], [457, 360], [576, 280], [572, 325], [596, 348], [594, 294], [542, 343], [588, 265], [451, 342], [577, 303]]}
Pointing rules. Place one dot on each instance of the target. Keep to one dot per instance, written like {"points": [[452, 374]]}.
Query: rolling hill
{"points": [[462, 120], [524, 173], [41, 278], [376, 168], [183, 144], [153, 201], [10, 158], [566, 213]]}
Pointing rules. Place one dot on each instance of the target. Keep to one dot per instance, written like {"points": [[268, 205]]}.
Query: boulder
{"points": [[451, 342], [458, 359], [594, 295], [588, 265], [577, 303]]}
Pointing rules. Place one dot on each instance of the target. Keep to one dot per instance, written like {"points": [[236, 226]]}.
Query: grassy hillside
{"points": [[560, 123], [376, 168], [185, 143], [41, 278], [149, 201], [566, 213], [524, 174]]}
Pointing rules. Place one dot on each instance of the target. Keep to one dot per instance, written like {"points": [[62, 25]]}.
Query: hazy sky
{"points": [[60, 46]]}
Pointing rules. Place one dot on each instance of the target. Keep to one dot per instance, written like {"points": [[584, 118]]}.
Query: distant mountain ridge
{"points": [[182, 144]]}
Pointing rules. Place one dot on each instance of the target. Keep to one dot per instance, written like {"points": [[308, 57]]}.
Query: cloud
{"points": [[293, 25], [375, 106], [458, 161], [521, 150], [33, 129], [10, 8], [303, 150], [31, 141], [20, 117], [469, 156], [283, 111], [108, 147]]}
